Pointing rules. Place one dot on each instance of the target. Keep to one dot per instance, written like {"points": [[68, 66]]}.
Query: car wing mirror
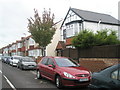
{"points": [[53, 66]]}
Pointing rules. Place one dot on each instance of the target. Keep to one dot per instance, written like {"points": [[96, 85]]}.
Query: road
{"points": [[15, 79]]}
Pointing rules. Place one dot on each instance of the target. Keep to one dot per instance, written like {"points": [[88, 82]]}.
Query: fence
{"points": [[107, 51]]}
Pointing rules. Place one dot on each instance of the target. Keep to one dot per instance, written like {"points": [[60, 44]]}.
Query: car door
{"points": [[43, 66], [50, 69]]}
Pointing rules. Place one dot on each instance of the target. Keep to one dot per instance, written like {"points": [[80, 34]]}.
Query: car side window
{"points": [[50, 61], [116, 75], [44, 61]]}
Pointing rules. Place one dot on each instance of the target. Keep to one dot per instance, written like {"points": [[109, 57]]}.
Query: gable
{"points": [[70, 17]]}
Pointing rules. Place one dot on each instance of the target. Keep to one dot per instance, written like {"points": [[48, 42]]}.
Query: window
{"points": [[50, 62], [64, 34], [65, 62], [44, 61], [115, 74], [76, 28]]}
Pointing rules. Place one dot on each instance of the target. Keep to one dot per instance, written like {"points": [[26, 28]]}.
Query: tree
{"points": [[106, 37], [42, 29], [86, 38]]}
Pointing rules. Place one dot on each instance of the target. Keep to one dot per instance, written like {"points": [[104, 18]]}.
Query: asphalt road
{"points": [[14, 79]]}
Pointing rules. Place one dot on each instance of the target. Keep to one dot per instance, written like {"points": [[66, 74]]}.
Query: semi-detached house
{"points": [[77, 20]]}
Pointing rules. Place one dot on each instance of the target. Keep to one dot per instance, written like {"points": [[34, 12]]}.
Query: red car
{"points": [[63, 71]]}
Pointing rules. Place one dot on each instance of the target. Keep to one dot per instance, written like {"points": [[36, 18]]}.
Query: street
{"points": [[14, 79]]}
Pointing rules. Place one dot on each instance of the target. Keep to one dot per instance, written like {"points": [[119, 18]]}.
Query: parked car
{"points": [[26, 63], [5, 58], [63, 71], [8, 59], [14, 60], [108, 78]]}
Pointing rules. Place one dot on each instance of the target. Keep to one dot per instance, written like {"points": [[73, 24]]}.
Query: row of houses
{"points": [[74, 21]]}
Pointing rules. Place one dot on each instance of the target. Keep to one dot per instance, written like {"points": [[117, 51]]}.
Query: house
{"points": [[33, 48], [51, 48], [77, 20], [5, 51], [19, 47]]}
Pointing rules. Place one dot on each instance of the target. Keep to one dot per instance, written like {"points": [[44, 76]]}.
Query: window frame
{"points": [[117, 75]]}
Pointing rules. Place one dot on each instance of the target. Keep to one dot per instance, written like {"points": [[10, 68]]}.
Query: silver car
{"points": [[27, 63], [14, 60]]}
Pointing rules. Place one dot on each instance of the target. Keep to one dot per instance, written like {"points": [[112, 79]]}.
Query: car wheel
{"points": [[58, 82], [38, 74]]}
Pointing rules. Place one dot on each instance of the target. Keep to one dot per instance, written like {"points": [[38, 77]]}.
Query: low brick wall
{"points": [[97, 64]]}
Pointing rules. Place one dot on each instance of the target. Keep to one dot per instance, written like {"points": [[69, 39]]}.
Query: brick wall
{"points": [[97, 64]]}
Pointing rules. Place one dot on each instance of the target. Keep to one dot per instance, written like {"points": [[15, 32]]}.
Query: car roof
{"points": [[54, 57]]}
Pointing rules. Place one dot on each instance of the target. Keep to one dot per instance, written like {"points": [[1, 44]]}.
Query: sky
{"points": [[14, 14]]}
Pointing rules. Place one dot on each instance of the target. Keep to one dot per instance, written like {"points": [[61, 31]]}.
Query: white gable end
{"points": [[71, 25]]}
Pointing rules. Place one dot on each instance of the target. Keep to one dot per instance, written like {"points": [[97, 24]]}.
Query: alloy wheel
{"points": [[58, 82]]}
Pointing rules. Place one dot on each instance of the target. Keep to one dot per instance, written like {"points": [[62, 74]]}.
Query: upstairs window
{"points": [[64, 34]]}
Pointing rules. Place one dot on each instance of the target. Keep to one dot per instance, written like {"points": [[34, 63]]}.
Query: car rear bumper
{"points": [[74, 82]]}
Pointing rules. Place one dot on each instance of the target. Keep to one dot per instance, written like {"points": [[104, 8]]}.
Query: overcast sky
{"points": [[14, 13]]}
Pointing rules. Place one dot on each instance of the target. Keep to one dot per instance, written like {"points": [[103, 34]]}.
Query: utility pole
{"points": [[25, 44]]}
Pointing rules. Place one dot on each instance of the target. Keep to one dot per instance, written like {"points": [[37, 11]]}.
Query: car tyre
{"points": [[58, 82], [38, 74]]}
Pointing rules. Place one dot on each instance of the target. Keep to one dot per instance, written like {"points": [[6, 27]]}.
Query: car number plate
{"points": [[31, 66], [84, 79]]}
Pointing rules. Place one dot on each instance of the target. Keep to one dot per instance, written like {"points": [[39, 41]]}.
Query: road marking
{"points": [[33, 72], [9, 83], [0, 71]]}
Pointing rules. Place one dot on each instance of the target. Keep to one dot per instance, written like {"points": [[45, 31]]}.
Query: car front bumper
{"points": [[75, 82]]}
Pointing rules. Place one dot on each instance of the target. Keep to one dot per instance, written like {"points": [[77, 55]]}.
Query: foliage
{"points": [[106, 37], [86, 38], [41, 28]]}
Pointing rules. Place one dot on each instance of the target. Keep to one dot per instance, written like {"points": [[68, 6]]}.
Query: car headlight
{"points": [[68, 75]]}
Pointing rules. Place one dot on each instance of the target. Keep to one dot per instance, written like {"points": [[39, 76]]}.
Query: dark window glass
{"points": [[44, 61], [50, 61], [64, 34]]}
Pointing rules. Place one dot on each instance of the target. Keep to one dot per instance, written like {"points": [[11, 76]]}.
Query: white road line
{"points": [[0, 71], [33, 72], [9, 83]]}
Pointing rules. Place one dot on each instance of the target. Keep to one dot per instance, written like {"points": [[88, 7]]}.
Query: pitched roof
{"points": [[61, 45], [95, 17]]}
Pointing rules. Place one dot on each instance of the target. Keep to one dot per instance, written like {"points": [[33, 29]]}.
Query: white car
{"points": [[14, 60]]}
